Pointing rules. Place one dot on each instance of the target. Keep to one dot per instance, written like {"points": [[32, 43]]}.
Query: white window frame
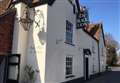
{"points": [[69, 66], [69, 32]]}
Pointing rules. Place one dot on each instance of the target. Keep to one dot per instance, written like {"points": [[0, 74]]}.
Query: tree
{"points": [[110, 41], [111, 55], [29, 74], [112, 46]]}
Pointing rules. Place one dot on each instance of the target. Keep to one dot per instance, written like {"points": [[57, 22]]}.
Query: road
{"points": [[110, 77]]}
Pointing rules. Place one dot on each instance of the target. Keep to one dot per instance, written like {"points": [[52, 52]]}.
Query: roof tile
{"points": [[4, 5]]}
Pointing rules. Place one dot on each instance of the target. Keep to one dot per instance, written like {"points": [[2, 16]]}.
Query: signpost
{"points": [[82, 18]]}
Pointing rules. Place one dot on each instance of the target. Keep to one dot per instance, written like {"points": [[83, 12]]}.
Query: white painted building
{"points": [[53, 46], [102, 50]]}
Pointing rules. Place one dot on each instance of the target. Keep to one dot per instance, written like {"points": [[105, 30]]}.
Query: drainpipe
{"points": [[98, 56]]}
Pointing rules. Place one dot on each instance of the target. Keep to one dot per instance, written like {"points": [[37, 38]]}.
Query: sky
{"points": [[107, 12]]}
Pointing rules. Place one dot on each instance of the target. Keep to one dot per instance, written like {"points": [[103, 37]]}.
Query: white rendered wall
{"points": [[57, 49], [46, 47], [20, 39], [85, 41], [36, 53], [102, 53]]}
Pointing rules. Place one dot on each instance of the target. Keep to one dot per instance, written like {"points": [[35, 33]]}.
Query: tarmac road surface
{"points": [[110, 77]]}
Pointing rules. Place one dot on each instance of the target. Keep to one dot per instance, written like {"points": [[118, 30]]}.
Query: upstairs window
{"points": [[102, 51], [74, 10], [93, 48], [69, 32]]}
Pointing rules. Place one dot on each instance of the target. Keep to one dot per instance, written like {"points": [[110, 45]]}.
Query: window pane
{"points": [[69, 32], [68, 65], [13, 72]]}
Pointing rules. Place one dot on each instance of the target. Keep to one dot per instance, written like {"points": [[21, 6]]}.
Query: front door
{"points": [[86, 68], [86, 54]]}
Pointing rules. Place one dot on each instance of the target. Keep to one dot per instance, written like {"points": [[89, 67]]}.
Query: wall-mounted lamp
{"points": [[25, 20]]}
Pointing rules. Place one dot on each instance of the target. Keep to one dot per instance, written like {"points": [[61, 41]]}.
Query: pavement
{"points": [[110, 77]]}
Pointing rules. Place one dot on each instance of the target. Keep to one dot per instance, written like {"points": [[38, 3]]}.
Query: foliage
{"points": [[29, 74], [111, 56], [112, 46], [110, 41]]}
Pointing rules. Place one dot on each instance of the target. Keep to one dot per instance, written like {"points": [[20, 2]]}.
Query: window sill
{"points": [[70, 43], [70, 76]]}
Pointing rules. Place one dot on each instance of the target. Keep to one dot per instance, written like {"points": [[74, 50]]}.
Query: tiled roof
{"points": [[34, 1], [94, 30], [4, 5]]}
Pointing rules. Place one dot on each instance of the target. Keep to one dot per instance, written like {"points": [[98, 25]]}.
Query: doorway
{"points": [[86, 54], [86, 68]]}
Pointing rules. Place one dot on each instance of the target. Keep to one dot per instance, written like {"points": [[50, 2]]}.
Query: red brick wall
{"points": [[6, 32]]}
